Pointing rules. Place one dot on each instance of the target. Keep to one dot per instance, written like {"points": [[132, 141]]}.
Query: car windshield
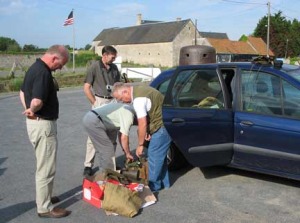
{"points": [[292, 70]]}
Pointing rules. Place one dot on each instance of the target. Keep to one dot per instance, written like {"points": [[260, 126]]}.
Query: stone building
{"points": [[158, 43], [149, 43]]}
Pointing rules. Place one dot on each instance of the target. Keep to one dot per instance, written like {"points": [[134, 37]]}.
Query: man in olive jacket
{"points": [[147, 103]]}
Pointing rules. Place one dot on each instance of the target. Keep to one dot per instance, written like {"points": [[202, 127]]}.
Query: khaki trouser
{"points": [[43, 136], [90, 150]]}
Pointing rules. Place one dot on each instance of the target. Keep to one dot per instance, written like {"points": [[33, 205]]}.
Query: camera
{"points": [[109, 88]]}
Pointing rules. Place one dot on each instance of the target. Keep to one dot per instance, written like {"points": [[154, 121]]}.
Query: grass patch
{"points": [[70, 80], [11, 85], [63, 80]]}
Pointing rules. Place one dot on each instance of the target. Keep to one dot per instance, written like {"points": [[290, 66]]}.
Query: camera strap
{"points": [[105, 77]]}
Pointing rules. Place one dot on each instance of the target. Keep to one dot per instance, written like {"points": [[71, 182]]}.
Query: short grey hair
{"points": [[59, 50]]}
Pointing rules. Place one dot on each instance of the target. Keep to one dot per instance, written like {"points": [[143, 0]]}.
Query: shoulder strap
{"points": [[105, 77]]}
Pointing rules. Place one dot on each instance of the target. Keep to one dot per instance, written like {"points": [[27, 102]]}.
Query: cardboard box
{"points": [[92, 191]]}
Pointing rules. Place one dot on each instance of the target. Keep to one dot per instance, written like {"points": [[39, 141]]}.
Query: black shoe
{"points": [[87, 171], [55, 200]]}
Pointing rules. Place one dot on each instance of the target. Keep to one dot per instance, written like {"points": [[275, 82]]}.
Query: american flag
{"points": [[69, 20]]}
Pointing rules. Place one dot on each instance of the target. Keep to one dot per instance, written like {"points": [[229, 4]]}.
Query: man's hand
{"points": [[147, 137], [129, 156], [28, 113], [139, 151], [88, 93]]}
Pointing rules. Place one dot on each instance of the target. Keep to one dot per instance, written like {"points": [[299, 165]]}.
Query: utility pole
{"points": [[196, 30], [268, 30], [73, 45], [286, 48]]}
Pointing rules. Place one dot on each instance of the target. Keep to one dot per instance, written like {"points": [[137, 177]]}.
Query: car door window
{"points": [[163, 87], [291, 100], [198, 89], [264, 93], [260, 93]]}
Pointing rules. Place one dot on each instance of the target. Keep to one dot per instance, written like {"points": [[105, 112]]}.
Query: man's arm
{"points": [[124, 142], [35, 105], [88, 93], [142, 133], [22, 98]]}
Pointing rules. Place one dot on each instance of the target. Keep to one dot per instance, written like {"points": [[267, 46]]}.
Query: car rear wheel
{"points": [[175, 159]]}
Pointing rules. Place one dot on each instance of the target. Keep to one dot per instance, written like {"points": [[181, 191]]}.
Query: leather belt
{"points": [[34, 117], [99, 117], [105, 97]]}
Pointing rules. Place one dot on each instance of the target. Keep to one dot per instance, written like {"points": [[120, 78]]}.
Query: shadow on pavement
{"points": [[220, 171], [70, 197], [11, 212], [2, 160], [174, 175]]}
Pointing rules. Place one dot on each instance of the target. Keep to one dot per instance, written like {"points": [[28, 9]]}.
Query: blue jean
{"points": [[157, 160]]}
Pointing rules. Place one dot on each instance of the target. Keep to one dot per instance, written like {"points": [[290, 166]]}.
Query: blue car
{"points": [[244, 115]]}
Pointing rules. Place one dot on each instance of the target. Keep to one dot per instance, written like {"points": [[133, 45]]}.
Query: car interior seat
{"points": [[258, 102], [262, 88]]}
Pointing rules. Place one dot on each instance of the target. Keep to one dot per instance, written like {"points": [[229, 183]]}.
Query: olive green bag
{"points": [[136, 171], [121, 200]]}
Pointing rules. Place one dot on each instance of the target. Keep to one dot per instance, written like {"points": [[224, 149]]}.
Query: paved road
{"points": [[210, 195]]}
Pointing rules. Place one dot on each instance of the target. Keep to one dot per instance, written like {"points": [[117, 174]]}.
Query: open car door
{"points": [[197, 114]]}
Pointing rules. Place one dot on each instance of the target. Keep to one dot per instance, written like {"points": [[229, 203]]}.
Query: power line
{"points": [[248, 3], [278, 10], [256, 3]]}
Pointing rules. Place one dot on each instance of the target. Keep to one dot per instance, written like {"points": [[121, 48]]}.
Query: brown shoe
{"points": [[55, 200], [55, 213]]}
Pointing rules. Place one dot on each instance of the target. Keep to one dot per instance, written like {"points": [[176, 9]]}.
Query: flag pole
{"points": [[73, 43]]}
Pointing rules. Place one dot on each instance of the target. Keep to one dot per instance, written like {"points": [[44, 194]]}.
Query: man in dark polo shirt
{"points": [[38, 95], [101, 75]]}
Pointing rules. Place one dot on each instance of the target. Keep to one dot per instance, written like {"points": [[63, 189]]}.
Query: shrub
{"points": [[14, 84], [82, 59]]}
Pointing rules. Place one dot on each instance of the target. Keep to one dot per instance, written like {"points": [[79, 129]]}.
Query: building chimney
{"points": [[178, 19], [139, 19]]}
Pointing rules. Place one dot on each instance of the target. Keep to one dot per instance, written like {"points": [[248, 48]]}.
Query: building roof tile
{"points": [[145, 33]]}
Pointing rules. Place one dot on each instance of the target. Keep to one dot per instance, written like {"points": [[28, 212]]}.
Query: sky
{"points": [[40, 22]]}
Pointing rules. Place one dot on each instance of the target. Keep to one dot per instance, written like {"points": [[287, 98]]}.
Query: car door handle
{"points": [[178, 120], [248, 123]]}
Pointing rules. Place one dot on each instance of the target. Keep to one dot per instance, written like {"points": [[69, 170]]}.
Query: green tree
{"points": [[68, 47], [293, 41], [30, 48], [87, 46], [282, 32], [243, 38], [8, 44]]}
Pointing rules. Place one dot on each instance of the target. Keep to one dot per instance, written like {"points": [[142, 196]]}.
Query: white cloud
{"points": [[11, 7], [124, 9]]}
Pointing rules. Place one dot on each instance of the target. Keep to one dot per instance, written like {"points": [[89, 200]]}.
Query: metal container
{"points": [[196, 54]]}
